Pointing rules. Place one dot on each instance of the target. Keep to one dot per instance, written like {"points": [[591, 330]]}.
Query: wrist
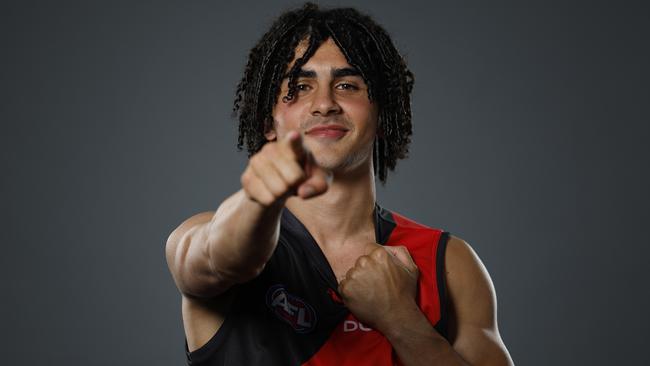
{"points": [[254, 205], [405, 318]]}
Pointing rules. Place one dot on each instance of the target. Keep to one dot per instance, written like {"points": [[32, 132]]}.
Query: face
{"points": [[330, 109]]}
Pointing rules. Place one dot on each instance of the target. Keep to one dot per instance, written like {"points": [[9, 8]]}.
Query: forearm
{"points": [[242, 236], [418, 343], [228, 247]]}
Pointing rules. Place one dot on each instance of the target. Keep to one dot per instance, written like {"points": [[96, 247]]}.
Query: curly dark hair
{"points": [[366, 46]]}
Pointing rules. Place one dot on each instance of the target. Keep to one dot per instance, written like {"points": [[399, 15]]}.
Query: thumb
{"points": [[404, 257]]}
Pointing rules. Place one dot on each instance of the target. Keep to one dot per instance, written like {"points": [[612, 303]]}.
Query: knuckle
{"points": [[295, 175], [352, 274], [271, 194], [266, 199], [270, 150], [277, 188], [254, 160], [379, 253], [362, 261], [268, 146], [288, 158]]}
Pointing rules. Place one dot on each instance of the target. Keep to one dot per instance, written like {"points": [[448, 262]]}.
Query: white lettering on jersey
{"points": [[352, 325]]}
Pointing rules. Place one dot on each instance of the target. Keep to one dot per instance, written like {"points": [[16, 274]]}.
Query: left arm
{"points": [[418, 343], [474, 332], [394, 312]]}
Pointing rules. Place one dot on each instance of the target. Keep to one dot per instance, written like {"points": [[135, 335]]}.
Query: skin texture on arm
{"points": [[474, 331]]}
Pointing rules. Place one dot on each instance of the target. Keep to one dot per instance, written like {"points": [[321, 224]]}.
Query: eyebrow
{"points": [[335, 72]]}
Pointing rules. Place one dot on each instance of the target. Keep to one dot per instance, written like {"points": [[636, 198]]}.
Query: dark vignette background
{"points": [[531, 130]]}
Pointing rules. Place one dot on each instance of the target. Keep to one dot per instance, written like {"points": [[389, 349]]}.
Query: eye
{"points": [[347, 86], [302, 87]]}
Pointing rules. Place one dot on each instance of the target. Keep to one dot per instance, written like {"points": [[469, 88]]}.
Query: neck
{"points": [[343, 214]]}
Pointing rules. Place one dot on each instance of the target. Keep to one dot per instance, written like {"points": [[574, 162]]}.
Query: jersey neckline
{"points": [[384, 225]]}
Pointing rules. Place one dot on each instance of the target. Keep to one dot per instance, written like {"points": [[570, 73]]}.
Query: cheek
{"points": [[364, 113], [286, 116]]}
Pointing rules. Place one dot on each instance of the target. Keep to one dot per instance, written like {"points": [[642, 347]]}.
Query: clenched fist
{"points": [[381, 286], [281, 169]]}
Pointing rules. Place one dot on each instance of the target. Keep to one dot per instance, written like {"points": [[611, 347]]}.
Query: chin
{"points": [[329, 162], [342, 162]]}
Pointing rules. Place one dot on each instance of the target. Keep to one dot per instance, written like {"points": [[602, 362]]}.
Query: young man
{"points": [[302, 266]]}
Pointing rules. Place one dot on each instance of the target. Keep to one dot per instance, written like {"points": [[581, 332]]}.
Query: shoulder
{"points": [[468, 280], [460, 258], [473, 328]]}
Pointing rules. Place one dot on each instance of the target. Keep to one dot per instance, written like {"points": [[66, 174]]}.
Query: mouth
{"points": [[327, 131]]}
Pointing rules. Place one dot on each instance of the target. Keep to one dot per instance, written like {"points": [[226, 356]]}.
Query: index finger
{"points": [[293, 141]]}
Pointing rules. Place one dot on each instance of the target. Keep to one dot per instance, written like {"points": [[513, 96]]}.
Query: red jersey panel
{"points": [[352, 343]]}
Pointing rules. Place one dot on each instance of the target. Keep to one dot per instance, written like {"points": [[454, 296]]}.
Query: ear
{"points": [[380, 126], [270, 133]]}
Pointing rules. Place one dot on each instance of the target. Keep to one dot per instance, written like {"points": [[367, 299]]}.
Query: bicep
{"points": [[474, 333]]}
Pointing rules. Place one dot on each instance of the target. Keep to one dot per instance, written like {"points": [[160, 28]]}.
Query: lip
{"points": [[327, 131]]}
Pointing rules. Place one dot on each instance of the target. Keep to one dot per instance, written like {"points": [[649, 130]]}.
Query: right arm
{"points": [[208, 253]]}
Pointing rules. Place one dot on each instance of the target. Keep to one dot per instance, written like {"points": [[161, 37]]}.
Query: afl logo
{"points": [[291, 309]]}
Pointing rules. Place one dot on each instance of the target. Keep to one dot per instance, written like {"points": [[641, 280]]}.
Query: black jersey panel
{"points": [[384, 224], [442, 324], [283, 316]]}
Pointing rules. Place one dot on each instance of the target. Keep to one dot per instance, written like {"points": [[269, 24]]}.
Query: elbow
{"points": [[195, 271], [214, 284], [249, 274], [192, 278]]}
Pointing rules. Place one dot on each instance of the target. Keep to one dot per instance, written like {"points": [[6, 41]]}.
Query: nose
{"points": [[324, 103]]}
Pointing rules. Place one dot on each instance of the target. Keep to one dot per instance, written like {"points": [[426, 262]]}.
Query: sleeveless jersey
{"points": [[291, 314]]}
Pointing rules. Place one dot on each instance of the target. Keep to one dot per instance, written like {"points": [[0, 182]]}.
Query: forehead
{"points": [[327, 55]]}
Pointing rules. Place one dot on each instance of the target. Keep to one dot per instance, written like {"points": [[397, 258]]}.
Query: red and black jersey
{"points": [[291, 314]]}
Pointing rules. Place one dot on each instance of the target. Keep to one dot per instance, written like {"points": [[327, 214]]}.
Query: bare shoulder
{"points": [[464, 267], [469, 284], [473, 328]]}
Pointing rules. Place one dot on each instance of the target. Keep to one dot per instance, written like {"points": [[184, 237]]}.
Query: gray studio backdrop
{"points": [[531, 130]]}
